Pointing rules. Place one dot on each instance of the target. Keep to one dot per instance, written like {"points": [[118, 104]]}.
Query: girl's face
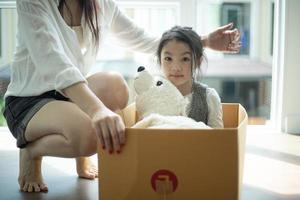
{"points": [[176, 63]]}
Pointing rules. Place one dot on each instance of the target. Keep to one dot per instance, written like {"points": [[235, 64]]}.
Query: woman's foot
{"points": [[30, 176], [85, 168]]}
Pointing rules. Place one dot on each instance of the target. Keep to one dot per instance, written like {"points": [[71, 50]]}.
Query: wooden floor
{"points": [[272, 171]]}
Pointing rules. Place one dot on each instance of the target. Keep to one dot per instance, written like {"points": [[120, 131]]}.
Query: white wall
{"points": [[290, 103]]}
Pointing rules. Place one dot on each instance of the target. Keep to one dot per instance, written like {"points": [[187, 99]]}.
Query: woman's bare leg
{"points": [[102, 84], [58, 129], [61, 129]]}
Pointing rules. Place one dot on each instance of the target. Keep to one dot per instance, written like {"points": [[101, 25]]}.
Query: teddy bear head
{"points": [[156, 94]]}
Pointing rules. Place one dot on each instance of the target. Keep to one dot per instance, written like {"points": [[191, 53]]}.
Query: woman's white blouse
{"points": [[48, 54]]}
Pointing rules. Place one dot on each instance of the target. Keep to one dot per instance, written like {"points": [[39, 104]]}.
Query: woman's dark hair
{"points": [[188, 36], [90, 10]]}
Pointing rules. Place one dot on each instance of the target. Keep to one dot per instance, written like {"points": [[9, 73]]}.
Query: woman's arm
{"points": [[108, 125], [125, 32], [130, 35], [223, 39]]}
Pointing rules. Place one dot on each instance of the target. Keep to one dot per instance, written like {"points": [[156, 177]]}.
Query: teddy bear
{"points": [[159, 104]]}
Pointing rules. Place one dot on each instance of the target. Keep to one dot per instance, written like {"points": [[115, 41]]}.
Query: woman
{"points": [[52, 108]]}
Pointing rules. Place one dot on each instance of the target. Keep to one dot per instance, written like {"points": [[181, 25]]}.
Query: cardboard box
{"points": [[176, 164]]}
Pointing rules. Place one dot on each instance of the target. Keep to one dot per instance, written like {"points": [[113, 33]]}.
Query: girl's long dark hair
{"points": [[90, 9]]}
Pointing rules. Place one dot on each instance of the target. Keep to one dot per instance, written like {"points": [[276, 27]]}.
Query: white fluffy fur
{"points": [[164, 99], [160, 105], [161, 121]]}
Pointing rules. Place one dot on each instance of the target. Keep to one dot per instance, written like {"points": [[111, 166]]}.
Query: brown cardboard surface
{"points": [[207, 163]]}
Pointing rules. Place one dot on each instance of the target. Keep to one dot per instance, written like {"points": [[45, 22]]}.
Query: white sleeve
{"points": [[41, 39], [215, 112], [125, 31]]}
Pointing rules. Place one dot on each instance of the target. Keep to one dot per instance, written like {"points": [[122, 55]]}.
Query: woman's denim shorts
{"points": [[18, 111]]}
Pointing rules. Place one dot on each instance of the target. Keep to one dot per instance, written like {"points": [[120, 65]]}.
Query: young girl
{"points": [[180, 54]]}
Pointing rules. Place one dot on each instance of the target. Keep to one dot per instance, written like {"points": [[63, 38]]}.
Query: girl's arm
{"points": [[215, 112]]}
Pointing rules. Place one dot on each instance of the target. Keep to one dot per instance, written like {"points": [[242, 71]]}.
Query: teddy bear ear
{"points": [[141, 68]]}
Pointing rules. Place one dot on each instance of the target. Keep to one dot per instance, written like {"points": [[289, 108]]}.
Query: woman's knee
{"points": [[120, 91], [111, 88]]}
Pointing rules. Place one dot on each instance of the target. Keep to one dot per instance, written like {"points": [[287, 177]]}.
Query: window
{"points": [[238, 13], [146, 15], [272, 27], [155, 18], [244, 78], [7, 45], [0, 33]]}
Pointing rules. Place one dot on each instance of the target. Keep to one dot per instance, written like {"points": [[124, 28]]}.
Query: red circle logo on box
{"points": [[164, 181]]}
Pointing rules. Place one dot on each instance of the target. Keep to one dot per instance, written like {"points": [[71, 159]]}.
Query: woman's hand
{"points": [[107, 124], [110, 129], [223, 39]]}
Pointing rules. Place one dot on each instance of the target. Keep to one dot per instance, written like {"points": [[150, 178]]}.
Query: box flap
{"points": [[232, 115]]}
